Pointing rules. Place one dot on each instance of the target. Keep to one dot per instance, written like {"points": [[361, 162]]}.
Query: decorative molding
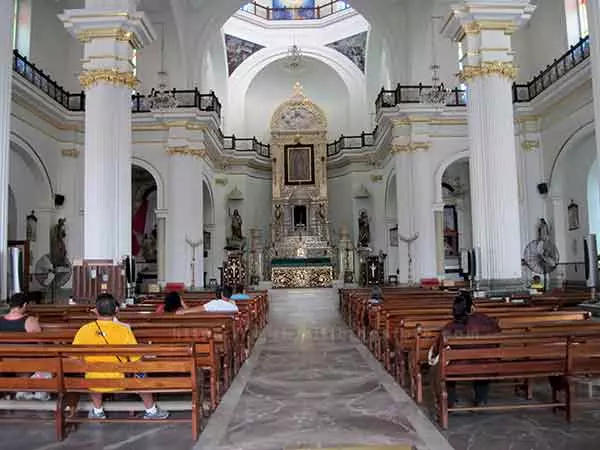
{"points": [[89, 78], [362, 192], [376, 178], [235, 194], [409, 148], [221, 181], [70, 152], [530, 145], [489, 25], [118, 34], [185, 150], [487, 68]]}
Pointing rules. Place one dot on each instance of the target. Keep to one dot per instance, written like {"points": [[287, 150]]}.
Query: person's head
{"points": [[376, 293], [173, 302], [226, 293], [239, 289], [462, 307], [18, 302], [106, 305], [537, 279]]}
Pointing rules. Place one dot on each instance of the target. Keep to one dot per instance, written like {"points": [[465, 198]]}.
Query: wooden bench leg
{"points": [[196, 414], [443, 408], [569, 400], [60, 417]]}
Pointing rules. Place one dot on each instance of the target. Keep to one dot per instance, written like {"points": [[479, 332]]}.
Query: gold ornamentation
{"points": [[298, 114], [376, 178], [70, 152], [185, 150], [118, 34], [302, 277], [221, 181], [499, 68], [89, 78], [409, 148], [530, 145]]}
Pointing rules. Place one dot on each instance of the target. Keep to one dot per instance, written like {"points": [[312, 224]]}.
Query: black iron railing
{"points": [[317, 12], [41, 80], [352, 143], [76, 102], [412, 94], [246, 145], [552, 73]]}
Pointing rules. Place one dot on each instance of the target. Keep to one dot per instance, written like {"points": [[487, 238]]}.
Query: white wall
{"points": [[273, 85]]}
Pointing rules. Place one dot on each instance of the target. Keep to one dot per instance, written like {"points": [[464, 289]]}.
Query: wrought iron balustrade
{"points": [[552, 73], [246, 145], [352, 143], [190, 98], [300, 13], [406, 94]]}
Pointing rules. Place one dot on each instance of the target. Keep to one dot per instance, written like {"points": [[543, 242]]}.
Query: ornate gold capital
{"points": [[89, 78], [409, 148], [530, 145], [118, 34], [70, 152], [185, 150], [499, 68]]}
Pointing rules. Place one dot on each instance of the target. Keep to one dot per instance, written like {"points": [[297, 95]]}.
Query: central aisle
{"points": [[310, 384]]}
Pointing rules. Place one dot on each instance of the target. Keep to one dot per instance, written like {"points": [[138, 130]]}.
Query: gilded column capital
{"points": [[504, 69], [185, 150], [530, 145], [411, 148], [89, 78]]}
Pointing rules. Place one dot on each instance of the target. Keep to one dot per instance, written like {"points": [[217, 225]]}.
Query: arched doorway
{"points": [[144, 224], [391, 224], [211, 258], [457, 220]]}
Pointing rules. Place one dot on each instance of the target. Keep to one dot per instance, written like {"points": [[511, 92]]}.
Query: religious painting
{"points": [[207, 240], [354, 48], [573, 216], [294, 9], [450, 232], [238, 50], [299, 165]]}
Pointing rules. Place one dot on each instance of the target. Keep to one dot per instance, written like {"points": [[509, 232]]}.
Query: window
{"points": [[576, 12], [461, 57], [134, 66], [22, 26], [582, 18]]}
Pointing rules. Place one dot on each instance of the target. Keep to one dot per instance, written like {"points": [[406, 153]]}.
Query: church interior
{"points": [[358, 169]]}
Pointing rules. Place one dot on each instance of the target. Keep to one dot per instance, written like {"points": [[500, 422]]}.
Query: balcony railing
{"points": [[352, 143], [412, 94], [76, 102], [37, 77], [554, 72], [317, 12], [246, 145]]}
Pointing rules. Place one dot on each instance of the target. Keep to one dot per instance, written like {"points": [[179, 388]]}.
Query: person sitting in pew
{"points": [[240, 293], [172, 303], [17, 319], [106, 331], [466, 322], [222, 304], [376, 296], [536, 284]]}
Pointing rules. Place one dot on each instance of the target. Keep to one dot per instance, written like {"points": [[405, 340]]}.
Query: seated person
{"points": [[223, 304], [536, 284], [172, 303], [376, 296], [465, 322], [17, 319], [240, 293], [106, 331]]}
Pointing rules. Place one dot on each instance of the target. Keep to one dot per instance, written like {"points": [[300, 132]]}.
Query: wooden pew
{"points": [[169, 369]]}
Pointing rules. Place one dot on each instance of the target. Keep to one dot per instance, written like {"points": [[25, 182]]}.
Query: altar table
{"points": [[301, 272]]}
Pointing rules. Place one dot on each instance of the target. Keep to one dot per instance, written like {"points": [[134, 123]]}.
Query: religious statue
{"points": [[364, 235], [322, 213], [278, 213], [149, 248], [58, 247], [236, 225], [31, 234]]}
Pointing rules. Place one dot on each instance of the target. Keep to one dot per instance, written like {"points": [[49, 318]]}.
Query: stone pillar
{"points": [[485, 28], [110, 34], [161, 220], [6, 27], [594, 27], [185, 221], [438, 213]]}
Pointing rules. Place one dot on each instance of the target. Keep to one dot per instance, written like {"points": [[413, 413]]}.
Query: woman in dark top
{"points": [[172, 303], [17, 318]]}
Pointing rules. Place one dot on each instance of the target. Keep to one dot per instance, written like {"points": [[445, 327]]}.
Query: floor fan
{"points": [[541, 256], [51, 277]]}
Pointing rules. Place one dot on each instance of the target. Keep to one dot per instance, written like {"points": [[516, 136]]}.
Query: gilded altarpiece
{"points": [[300, 226]]}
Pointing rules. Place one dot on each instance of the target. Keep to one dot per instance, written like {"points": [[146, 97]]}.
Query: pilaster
{"points": [[109, 34], [594, 29], [485, 28], [6, 26]]}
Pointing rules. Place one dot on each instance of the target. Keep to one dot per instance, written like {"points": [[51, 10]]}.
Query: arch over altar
{"points": [[300, 225]]}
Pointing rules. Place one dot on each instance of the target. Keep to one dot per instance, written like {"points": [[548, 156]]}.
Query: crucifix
{"points": [[373, 270], [194, 245], [409, 241]]}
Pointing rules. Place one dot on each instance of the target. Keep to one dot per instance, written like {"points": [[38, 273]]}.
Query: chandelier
{"points": [[437, 94], [293, 59], [160, 98]]}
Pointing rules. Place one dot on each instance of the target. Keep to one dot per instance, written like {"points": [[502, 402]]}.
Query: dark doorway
{"points": [[300, 217]]}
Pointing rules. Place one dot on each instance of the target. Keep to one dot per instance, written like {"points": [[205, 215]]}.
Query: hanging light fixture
{"points": [[293, 59], [437, 94], [160, 98]]}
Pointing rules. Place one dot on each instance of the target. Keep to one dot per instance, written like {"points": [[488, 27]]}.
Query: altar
{"points": [[301, 272]]}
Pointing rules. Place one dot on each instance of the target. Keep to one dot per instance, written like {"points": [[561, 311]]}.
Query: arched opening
{"points": [[144, 223], [210, 256], [391, 224], [457, 220]]}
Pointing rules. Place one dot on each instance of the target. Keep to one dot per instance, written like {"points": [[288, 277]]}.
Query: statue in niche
{"points": [[58, 247], [364, 234], [278, 213], [236, 241], [149, 251], [31, 233], [322, 213]]}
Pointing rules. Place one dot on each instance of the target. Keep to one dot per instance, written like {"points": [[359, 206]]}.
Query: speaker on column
{"points": [[590, 255], [59, 200], [542, 188]]}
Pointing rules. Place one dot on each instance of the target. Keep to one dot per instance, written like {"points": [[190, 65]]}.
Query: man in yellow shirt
{"points": [[106, 330]]}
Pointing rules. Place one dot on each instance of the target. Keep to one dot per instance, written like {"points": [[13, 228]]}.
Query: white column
{"points": [[594, 27], [110, 32], [438, 212], [404, 202], [485, 29], [161, 228], [6, 26], [185, 219]]}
